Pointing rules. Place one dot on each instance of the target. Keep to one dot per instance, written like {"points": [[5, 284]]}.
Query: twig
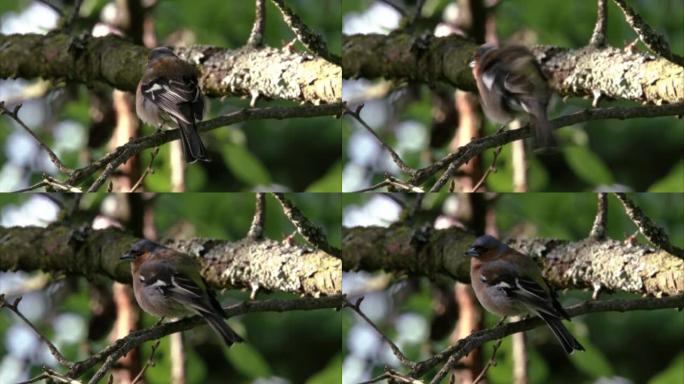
{"points": [[120, 347], [490, 362], [492, 168], [598, 37], [309, 231], [149, 169], [256, 230], [148, 363], [133, 147], [598, 229], [53, 350], [397, 160], [356, 307], [391, 181], [394, 375], [256, 37], [53, 7], [652, 39], [394, 6], [464, 346], [454, 160], [74, 14], [14, 116], [417, 13], [652, 232], [310, 39]]}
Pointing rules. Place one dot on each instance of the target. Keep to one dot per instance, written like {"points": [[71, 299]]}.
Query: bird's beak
{"points": [[127, 256], [472, 252]]}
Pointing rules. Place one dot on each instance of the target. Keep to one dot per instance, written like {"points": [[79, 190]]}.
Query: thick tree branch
{"points": [[581, 72], [269, 72], [246, 263], [580, 264]]}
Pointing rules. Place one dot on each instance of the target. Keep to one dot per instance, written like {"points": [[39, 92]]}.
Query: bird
{"points": [[168, 283], [507, 282], [168, 96], [511, 83]]}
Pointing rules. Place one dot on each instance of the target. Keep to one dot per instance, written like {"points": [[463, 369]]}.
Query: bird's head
{"points": [[159, 52], [486, 247], [140, 249]]}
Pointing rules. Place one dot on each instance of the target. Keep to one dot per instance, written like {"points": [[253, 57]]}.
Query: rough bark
{"points": [[246, 72], [583, 72], [247, 263], [587, 263]]}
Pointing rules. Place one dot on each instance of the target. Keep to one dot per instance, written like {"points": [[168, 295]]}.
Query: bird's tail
{"points": [[542, 129], [219, 326], [193, 149], [565, 338]]}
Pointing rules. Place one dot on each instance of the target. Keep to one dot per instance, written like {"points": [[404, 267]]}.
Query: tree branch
{"points": [[598, 37], [310, 39], [652, 39], [256, 37], [566, 264], [309, 231], [476, 339], [580, 72], [653, 233], [241, 264], [256, 229], [112, 160], [598, 229], [269, 72]]}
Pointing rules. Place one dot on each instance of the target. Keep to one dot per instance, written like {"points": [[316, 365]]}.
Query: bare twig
{"points": [[14, 116], [256, 230], [256, 37], [53, 350], [53, 7], [464, 346], [598, 229], [655, 234], [149, 169], [310, 39], [454, 160], [652, 39], [417, 13], [394, 6], [148, 363], [74, 14], [492, 168], [490, 362], [309, 231], [598, 37], [119, 348], [356, 307], [392, 182], [395, 157], [111, 161]]}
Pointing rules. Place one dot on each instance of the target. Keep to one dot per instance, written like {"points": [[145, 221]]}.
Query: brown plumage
{"points": [[507, 282], [169, 95], [511, 83], [167, 283]]}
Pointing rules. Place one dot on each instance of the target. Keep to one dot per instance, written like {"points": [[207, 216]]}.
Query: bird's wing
{"points": [[179, 97]]}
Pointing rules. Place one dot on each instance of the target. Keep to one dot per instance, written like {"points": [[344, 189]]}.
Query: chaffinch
{"points": [[168, 96], [168, 283], [511, 83], [507, 283]]}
